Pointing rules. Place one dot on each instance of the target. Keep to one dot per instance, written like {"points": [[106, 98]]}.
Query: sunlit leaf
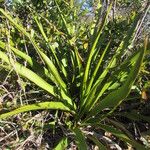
{"points": [[62, 145], [37, 106], [117, 96]]}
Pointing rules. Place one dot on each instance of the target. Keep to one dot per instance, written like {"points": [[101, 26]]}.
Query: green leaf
{"points": [[63, 18], [114, 131], [91, 53], [122, 136], [80, 139], [42, 71], [19, 27], [97, 142], [30, 75], [133, 115], [97, 67], [123, 45], [4, 57], [62, 145], [54, 71], [90, 99], [69, 30], [49, 63], [18, 52], [112, 83], [117, 96], [51, 48], [41, 28], [37, 106]]}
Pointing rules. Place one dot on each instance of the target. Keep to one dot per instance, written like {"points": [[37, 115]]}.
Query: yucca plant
{"points": [[87, 82]]}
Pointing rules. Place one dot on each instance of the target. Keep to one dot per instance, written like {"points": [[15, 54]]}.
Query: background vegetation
{"points": [[74, 74]]}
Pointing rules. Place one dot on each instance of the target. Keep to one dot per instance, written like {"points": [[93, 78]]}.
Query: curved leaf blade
{"points": [[30, 75], [42, 71], [37, 106], [117, 96], [49, 63], [92, 51], [122, 136]]}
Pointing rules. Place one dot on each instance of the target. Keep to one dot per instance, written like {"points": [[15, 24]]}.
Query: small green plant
{"points": [[87, 82]]}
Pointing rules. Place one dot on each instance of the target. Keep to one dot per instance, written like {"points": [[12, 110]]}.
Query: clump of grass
{"points": [[71, 75]]}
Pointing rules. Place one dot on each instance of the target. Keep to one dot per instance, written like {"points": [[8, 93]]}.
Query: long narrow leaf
{"points": [[97, 142], [51, 48], [18, 52], [37, 106], [116, 97], [123, 45], [113, 82], [30, 75], [133, 115], [41, 28], [122, 136], [63, 18], [80, 139], [50, 64], [4, 57], [86, 73], [97, 67], [70, 36], [42, 71], [19, 27]]}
